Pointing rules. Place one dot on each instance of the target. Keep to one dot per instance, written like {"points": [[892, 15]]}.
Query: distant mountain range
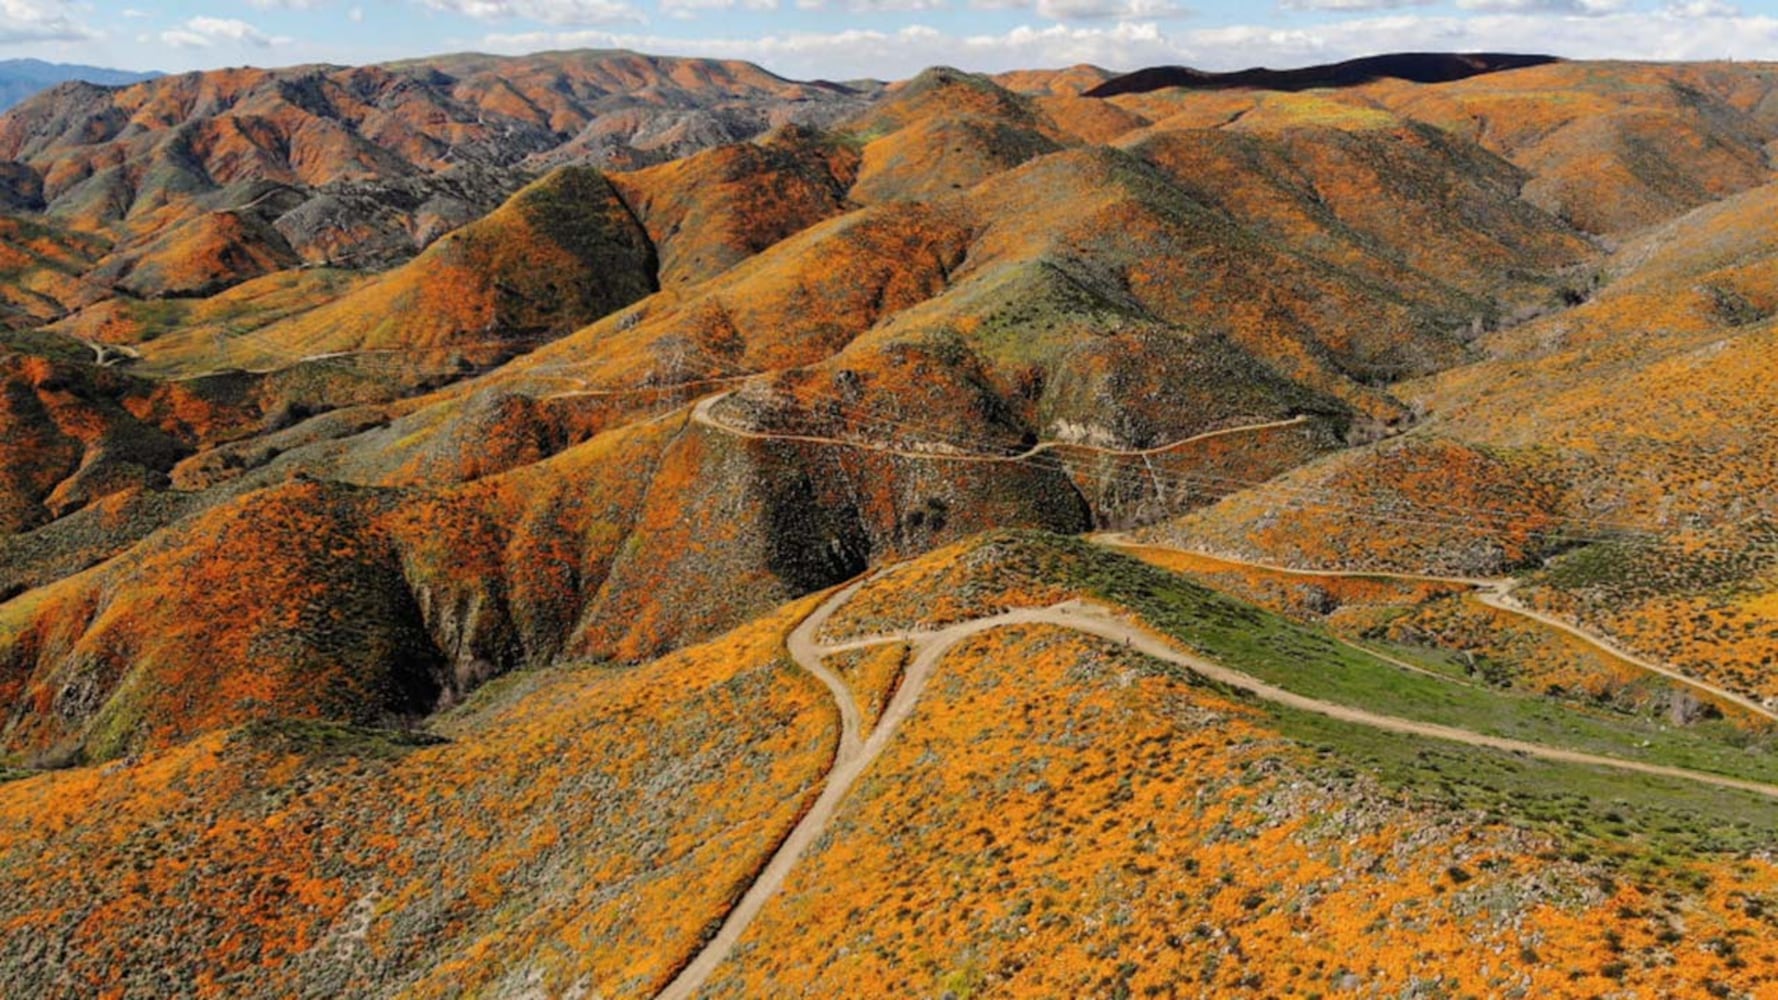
{"points": [[20, 78], [365, 165], [1413, 67]]}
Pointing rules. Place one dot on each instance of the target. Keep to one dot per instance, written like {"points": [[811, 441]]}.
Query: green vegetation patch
{"points": [[1626, 571], [1675, 814], [1665, 815], [330, 740]]}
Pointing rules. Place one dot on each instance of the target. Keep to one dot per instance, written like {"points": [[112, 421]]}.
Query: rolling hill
{"points": [[593, 524], [1054, 800], [359, 166]]}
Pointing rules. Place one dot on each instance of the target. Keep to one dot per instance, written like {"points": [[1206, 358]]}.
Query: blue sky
{"points": [[840, 39]]}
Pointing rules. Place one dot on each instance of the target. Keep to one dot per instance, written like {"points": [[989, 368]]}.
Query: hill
{"points": [[890, 359], [1413, 67], [958, 536], [363, 166], [1610, 452], [1231, 840]]}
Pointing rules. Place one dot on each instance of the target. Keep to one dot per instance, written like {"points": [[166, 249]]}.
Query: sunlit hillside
{"points": [[603, 525]]}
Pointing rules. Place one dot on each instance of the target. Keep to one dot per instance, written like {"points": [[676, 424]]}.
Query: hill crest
{"points": [[1413, 67]]}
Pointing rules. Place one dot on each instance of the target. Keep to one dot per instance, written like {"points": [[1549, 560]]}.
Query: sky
{"points": [[886, 39]]}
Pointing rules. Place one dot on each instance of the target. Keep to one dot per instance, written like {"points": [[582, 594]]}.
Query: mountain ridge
{"points": [[1412, 67]]}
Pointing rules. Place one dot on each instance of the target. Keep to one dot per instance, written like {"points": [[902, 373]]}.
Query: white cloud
{"points": [[1086, 10], [1585, 8], [685, 10], [1091, 10], [1133, 44], [1702, 8], [1621, 35], [205, 32], [1351, 5], [355, 15], [564, 12], [874, 6], [40, 21]]}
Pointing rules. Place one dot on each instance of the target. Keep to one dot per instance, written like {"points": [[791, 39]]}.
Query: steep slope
{"points": [[312, 126], [196, 259], [712, 210], [1615, 147], [1421, 504], [514, 417], [358, 167], [1131, 235], [343, 641], [354, 860], [42, 266], [311, 599], [1041, 804], [835, 376], [616, 599], [1627, 428], [1680, 322], [875, 380], [1609, 147], [944, 131], [72, 433], [1403, 204], [1678, 447], [562, 252]]}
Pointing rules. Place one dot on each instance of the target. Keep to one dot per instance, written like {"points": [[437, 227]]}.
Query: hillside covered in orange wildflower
{"points": [[602, 525]]}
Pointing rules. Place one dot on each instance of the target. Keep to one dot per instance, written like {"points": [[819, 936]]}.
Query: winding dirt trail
{"points": [[1495, 592], [857, 752], [1122, 540], [848, 763], [701, 414], [546, 374], [1501, 599], [109, 355]]}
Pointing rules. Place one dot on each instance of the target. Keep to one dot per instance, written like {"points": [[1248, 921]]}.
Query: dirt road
{"points": [[1495, 592], [702, 414], [857, 752]]}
